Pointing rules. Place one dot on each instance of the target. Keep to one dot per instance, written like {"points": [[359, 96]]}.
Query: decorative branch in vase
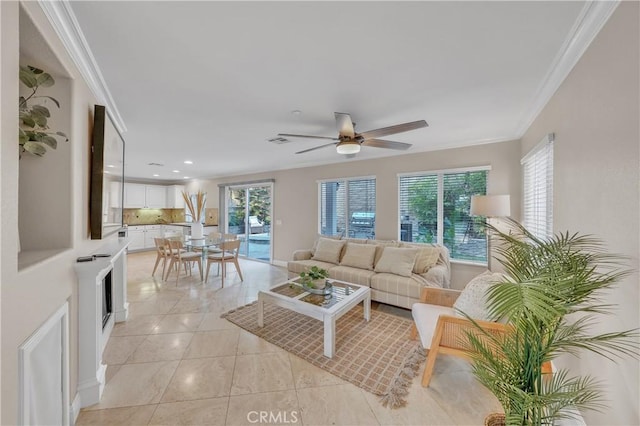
{"points": [[33, 133], [196, 211]]}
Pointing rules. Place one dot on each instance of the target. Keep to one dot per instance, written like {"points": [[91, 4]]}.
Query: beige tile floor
{"points": [[176, 362]]}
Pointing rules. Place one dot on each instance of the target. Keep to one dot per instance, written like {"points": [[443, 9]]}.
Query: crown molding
{"points": [[592, 18], [65, 24]]}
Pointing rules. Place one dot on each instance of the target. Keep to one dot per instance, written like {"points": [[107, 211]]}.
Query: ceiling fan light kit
{"points": [[349, 141], [348, 147]]}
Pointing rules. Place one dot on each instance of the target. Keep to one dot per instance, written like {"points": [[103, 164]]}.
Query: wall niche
{"points": [[44, 184]]}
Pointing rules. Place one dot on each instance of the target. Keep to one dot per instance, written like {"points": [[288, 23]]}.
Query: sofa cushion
{"points": [[397, 284], [426, 317], [359, 256], [315, 243], [473, 299], [351, 275], [297, 266], [328, 250], [396, 260], [427, 257], [380, 245]]}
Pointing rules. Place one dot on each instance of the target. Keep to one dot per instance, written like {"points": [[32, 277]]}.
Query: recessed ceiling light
{"points": [[188, 162], [186, 177], [176, 171], [111, 166], [156, 175], [296, 112]]}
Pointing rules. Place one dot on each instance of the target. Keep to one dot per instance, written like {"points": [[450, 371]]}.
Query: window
{"points": [[434, 208], [348, 207], [537, 167]]}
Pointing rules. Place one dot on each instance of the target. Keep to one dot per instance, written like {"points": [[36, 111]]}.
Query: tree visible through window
{"points": [[434, 208], [348, 207]]}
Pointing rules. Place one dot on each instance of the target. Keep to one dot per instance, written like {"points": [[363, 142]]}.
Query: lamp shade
{"points": [[348, 147], [490, 205]]}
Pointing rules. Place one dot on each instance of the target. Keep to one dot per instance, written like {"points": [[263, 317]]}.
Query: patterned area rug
{"points": [[376, 356]]}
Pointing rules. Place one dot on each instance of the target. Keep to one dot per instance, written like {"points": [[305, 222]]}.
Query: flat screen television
{"points": [[107, 176]]}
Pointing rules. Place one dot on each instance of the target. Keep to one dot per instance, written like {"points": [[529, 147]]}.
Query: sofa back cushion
{"points": [[328, 250], [329, 237], [427, 257], [359, 256], [397, 260], [380, 245]]}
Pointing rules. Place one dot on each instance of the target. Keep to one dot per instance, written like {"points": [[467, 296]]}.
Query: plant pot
{"points": [[495, 419], [319, 284], [197, 230]]}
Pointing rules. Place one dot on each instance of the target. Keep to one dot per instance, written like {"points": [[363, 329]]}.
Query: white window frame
{"points": [[321, 181], [537, 188], [440, 202]]}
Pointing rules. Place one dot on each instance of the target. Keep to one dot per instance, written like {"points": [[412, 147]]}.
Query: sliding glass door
{"points": [[249, 216]]}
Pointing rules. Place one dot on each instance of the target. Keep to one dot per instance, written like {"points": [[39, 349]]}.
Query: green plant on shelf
{"points": [[33, 133]]}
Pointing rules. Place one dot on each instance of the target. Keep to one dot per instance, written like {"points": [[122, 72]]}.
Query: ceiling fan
{"points": [[349, 141]]}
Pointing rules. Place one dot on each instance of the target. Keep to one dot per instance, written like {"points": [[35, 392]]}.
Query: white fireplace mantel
{"points": [[91, 336]]}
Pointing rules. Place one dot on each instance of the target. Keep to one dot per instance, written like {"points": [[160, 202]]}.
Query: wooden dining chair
{"points": [[182, 258], [230, 236], [228, 254], [162, 254]]}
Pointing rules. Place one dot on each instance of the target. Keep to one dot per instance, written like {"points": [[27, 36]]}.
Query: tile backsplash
{"points": [[155, 216]]}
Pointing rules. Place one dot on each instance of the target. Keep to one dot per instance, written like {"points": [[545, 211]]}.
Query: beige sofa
{"points": [[386, 287]]}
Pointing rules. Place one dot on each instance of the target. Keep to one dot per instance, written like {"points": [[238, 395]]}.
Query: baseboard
{"points": [[74, 410], [282, 263]]}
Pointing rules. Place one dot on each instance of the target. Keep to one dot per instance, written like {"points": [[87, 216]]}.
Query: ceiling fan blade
{"points": [[344, 124], [391, 130], [379, 143], [306, 136], [315, 147]]}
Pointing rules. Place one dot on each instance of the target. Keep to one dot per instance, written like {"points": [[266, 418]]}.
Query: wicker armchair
{"points": [[440, 330]]}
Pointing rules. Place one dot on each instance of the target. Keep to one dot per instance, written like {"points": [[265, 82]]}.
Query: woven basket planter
{"points": [[495, 419]]}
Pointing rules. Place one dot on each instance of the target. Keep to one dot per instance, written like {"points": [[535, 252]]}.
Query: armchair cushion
{"points": [[426, 317], [473, 299]]}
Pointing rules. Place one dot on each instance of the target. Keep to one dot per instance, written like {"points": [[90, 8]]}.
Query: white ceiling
{"points": [[212, 81]]}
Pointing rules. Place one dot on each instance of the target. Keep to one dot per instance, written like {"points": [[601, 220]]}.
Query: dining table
{"points": [[204, 245]]}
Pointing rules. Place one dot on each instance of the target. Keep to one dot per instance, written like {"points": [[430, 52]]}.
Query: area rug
{"points": [[376, 356]]}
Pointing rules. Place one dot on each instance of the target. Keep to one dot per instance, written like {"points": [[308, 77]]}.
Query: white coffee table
{"points": [[344, 297]]}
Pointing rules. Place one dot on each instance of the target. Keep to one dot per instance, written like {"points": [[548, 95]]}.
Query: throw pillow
{"points": [[473, 299], [426, 259], [380, 245], [315, 243], [328, 250], [359, 256], [397, 260]]}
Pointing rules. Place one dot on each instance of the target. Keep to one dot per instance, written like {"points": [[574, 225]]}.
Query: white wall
{"points": [[296, 192], [595, 116], [31, 295]]}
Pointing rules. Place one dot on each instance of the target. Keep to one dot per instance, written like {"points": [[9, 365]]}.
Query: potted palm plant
{"points": [[550, 299]]}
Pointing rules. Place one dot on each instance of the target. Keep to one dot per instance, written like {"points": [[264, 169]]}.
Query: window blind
{"points": [[434, 208], [348, 207], [537, 168]]}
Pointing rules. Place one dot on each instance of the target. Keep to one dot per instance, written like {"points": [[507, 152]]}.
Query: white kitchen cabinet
{"points": [[172, 231], [137, 195], [152, 231], [134, 195], [174, 197], [141, 236], [136, 236]]}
